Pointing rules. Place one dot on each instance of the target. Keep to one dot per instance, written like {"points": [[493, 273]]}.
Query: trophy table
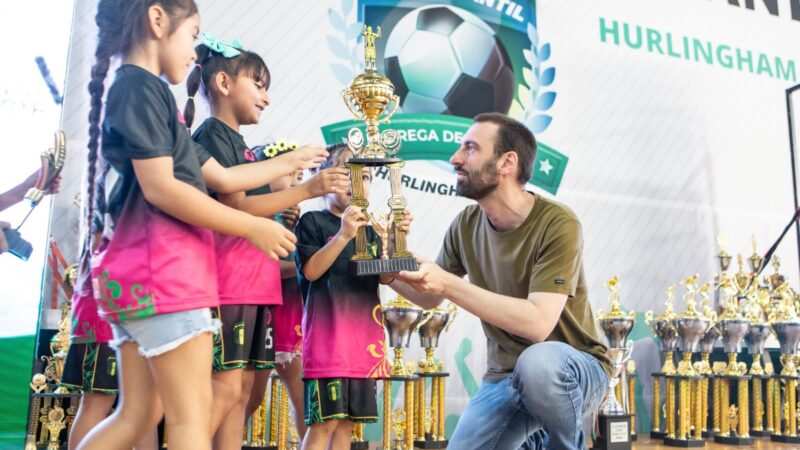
{"points": [[667, 335], [614, 420], [685, 428], [371, 98]]}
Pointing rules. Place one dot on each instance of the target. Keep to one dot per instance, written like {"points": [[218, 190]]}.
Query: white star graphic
{"points": [[544, 166]]}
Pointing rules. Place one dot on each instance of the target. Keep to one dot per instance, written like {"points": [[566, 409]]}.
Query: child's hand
{"points": [[404, 224], [290, 216], [335, 180], [308, 157], [353, 218], [271, 238]]}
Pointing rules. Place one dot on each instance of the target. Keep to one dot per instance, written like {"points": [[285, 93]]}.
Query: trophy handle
{"points": [[351, 105], [426, 316], [52, 161], [453, 310], [377, 315], [387, 116]]}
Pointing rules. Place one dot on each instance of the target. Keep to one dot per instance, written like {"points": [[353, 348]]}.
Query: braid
{"points": [[109, 42], [193, 83]]}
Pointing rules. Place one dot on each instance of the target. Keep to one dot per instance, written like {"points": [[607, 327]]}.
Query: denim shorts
{"points": [[161, 333]]}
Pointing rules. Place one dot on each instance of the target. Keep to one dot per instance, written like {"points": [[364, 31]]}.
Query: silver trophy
{"points": [[616, 326]]}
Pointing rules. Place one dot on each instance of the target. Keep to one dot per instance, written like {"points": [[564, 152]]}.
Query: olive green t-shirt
{"points": [[544, 254]]}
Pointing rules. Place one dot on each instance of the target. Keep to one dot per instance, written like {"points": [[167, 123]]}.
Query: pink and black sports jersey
{"points": [[342, 334], [148, 262], [246, 275], [87, 326]]}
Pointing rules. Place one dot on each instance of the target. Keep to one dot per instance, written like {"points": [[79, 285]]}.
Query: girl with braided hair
{"points": [[235, 83], [154, 268]]}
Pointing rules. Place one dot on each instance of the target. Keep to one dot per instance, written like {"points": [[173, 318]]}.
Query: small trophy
{"points": [[371, 98], [734, 329], [691, 326], [400, 319], [52, 162], [614, 420], [786, 326], [667, 335], [430, 413]]}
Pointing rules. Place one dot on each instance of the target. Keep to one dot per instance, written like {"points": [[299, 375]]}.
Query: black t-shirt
{"points": [[225, 145], [141, 122], [314, 230]]}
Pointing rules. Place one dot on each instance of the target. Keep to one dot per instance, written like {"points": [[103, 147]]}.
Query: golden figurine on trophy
{"points": [[371, 99]]}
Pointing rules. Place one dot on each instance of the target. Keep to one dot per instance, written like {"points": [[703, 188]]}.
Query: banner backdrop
{"points": [[662, 123]]}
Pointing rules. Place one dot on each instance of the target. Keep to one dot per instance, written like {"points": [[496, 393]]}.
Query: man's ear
{"points": [[509, 164]]}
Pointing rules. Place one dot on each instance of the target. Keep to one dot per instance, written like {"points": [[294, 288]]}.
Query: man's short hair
{"points": [[513, 136]]}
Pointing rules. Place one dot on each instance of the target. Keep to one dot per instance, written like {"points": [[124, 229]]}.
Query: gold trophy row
{"points": [[418, 423], [740, 402]]}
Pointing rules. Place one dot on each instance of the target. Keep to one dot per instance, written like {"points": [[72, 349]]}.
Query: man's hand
{"points": [[429, 279], [3, 243]]}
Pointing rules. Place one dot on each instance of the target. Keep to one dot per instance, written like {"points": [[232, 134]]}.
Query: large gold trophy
{"points": [[760, 385], [664, 329], [685, 429], [430, 412], [786, 326], [371, 98]]}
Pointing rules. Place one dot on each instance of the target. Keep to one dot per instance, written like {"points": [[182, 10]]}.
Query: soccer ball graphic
{"points": [[443, 59]]}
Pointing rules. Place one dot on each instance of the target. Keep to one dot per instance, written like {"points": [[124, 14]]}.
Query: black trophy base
{"points": [[364, 267], [657, 435], [634, 437], [430, 444], [247, 447], [760, 433], [614, 433], [785, 439], [684, 443], [373, 162], [733, 440], [708, 434], [359, 445]]}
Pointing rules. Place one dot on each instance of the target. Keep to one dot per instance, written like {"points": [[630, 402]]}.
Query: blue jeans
{"points": [[542, 404]]}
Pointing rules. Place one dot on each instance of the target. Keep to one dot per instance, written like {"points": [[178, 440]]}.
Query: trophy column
{"points": [[735, 425], [756, 340], [360, 201], [664, 330], [268, 427], [359, 442]]}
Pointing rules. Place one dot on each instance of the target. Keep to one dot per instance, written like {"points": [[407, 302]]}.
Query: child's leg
{"points": [[291, 374], [134, 413], [182, 377], [319, 435], [227, 391], [343, 435], [92, 410], [148, 441], [229, 434], [260, 380]]}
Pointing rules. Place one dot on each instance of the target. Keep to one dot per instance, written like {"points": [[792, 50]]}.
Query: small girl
{"points": [[342, 344], [154, 270], [235, 83]]}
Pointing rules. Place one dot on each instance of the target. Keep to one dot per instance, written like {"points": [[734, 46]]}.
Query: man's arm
{"points": [[533, 318]]}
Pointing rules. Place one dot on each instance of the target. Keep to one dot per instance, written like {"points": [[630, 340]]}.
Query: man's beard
{"points": [[479, 183]]}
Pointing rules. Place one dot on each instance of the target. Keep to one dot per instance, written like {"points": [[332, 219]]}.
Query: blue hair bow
{"points": [[228, 50]]}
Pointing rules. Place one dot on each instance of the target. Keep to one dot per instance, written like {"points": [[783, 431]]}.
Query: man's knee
{"points": [[541, 362]]}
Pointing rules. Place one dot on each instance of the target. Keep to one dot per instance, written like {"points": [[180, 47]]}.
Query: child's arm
{"points": [[17, 193], [333, 180], [184, 202], [288, 269], [322, 260], [250, 176]]}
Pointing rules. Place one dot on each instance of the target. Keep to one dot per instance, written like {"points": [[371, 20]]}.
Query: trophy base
{"points": [[634, 437], [247, 447], [657, 435], [708, 434], [614, 433], [430, 444], [733, 440], [360, 445], [374, 162], [685, 443], [760, 433], [365, 267], [433, 374], [785, 439]]}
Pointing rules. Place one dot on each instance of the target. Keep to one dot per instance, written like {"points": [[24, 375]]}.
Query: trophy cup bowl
{"points": [[733, 332], [756, 337], [616, 330], [709, 339], [690, 331], [430, 331], [666, 333], [400, 322], [788, 334], [371, 93], [612, 406]]}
